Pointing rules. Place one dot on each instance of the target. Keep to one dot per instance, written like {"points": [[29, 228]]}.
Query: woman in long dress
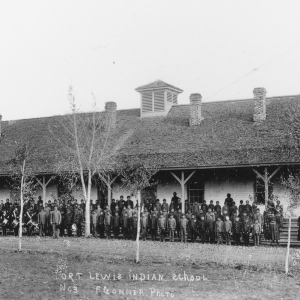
{"points": [[273, 227]]}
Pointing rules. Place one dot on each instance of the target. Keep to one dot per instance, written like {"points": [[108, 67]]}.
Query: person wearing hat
{"points": [[153, 226]]}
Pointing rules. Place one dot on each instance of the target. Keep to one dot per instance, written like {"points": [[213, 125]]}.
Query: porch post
{"points": [[108, 191], [44, 184], [265, 178], [182, 189], [266, 187], [44, 191], [182, 182]]}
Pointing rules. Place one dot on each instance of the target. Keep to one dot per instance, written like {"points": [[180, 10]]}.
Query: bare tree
{"points": [[137, 175], [89, 147], [22, 179], [291, 180]]}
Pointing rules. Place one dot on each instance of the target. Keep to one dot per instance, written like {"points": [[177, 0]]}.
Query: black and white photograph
{"points": [[150, 149]]}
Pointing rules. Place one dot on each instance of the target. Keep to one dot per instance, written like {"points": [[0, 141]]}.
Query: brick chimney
{"points": [[259, 104], [195, 109], [111, 114]]}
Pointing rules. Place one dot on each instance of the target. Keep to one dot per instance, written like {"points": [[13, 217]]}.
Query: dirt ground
{"points": [[79, 268]]}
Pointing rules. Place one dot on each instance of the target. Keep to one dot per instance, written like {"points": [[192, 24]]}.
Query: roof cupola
{"points": [[157, 98]]}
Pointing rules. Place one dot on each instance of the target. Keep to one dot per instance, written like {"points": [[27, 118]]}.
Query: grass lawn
{"points": [[78, 268]]}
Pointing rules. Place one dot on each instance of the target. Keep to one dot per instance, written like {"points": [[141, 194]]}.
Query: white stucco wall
{"points": [[239, 190], [4, 194]]}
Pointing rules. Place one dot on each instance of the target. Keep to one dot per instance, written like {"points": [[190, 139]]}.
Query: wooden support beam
{"points": [[186, 180], [265, 178], [259, 175], [44, 184], [273, 173], [176, 177], [266, 187], [182, 182]]}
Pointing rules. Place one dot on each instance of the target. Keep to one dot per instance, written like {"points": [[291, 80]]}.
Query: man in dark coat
{"points": [[153, 226], [228, 200], [116, 225], [175, 199], [210, 229], [55, 220], [125, 225], [237, 230], [246, 227], [108, 223], [193, 228], [201, 228], [204, 207], [42, 221], [134, 222], [101, 224]]}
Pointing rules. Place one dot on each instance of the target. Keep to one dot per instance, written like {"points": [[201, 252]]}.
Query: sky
{"points": [[220, 49]]}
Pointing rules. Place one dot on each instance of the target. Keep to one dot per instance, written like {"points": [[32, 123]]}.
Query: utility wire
{"points": [[254, 70]]}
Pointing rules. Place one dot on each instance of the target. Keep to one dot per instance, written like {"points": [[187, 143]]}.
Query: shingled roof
{"points": [[226, 137]]}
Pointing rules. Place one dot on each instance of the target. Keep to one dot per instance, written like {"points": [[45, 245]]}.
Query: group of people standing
{"points": [[210, 222]]}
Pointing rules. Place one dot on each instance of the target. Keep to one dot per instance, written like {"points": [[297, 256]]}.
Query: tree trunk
{"points": [[138, 228], [288, 247], [21, 216], [87, 207]]}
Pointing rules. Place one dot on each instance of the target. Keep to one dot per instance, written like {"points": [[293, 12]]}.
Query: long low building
{"points": [[205, 150]]}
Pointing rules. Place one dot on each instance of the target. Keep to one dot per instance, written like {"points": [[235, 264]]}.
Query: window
{"points": [[196, 190], [260, 190]]}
